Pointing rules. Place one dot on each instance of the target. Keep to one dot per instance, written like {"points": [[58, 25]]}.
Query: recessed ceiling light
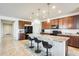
{"points": [[53, 7], [59, 11], [44, 11]]}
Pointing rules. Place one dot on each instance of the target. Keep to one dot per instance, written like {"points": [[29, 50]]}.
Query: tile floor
{"points": [[11, 47], [73, 51]]}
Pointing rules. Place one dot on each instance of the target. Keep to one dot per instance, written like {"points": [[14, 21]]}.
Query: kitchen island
{"points": [[59, 43]]}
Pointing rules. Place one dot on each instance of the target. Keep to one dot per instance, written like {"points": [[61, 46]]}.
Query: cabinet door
{"points": [[76, 42], [61, 23], [22, 36], [46, 25], [43, 25], [76, 21], [22, 24], [67, 22], [56, 21], [70, 23], [73, 41], [52, 22]]}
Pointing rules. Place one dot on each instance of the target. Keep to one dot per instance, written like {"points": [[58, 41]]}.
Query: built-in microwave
{"points": [[55, 27]]}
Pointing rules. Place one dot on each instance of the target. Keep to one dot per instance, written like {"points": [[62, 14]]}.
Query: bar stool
{"points": [[37, 41], [29, 38], [47, 46]]}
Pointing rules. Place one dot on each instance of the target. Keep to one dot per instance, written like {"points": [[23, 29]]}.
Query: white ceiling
{"points": [[24, 10]]}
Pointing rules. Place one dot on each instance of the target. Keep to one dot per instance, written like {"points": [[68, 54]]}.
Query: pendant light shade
{"points": [[48, 5]]}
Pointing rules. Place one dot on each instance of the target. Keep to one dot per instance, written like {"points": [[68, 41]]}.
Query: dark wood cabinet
{"points": [[22, 24], [73, 41], [67, 23], [70, 22], [46, 25], [52, 22], [76, 21], [21, 36], [61, 23], [22, 27]]}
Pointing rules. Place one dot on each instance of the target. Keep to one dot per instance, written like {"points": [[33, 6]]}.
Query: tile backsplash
{"points": [[64, 31]]}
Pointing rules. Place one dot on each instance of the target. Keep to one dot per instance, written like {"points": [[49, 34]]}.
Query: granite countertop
{"points": [[70, 34], [50, 37], [56, 38]]}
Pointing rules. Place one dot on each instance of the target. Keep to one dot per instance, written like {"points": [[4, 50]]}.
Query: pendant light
{"points": [[48, 5], [38, 13], [32, 15], [37, 17]]}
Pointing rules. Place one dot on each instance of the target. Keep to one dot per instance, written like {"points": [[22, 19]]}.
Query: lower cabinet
{"points": [[73, 41], [21, 36]]}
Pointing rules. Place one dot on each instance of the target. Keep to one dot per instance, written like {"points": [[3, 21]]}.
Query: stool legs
{"points": [[37, 51], [47, 52], [31, 45]]}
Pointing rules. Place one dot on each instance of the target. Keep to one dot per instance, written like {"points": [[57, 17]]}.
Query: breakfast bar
{"points": [[59, 44]]}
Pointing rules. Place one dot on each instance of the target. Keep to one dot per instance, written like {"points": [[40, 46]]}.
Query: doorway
{"points": [[7, 29]]}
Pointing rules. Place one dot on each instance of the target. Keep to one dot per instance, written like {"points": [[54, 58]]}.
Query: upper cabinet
{"points": [[70, 22], [54, 22], [22, 24], [76, 21], [61, 22], [49, 25], [66, 22], [46, 25]]}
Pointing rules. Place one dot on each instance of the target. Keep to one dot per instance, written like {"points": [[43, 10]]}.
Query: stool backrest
{"points": [[45, 43], [36, 39], [29, 38]]}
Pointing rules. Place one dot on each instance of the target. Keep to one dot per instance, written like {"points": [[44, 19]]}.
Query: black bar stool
{"points": [[47, 46], [37, 41], [29, 38]]}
